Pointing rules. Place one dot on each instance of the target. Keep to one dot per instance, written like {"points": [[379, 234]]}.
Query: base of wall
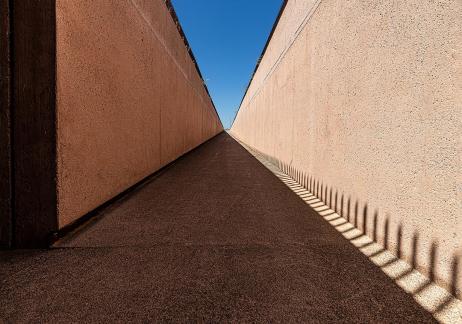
{"points": [[89, 219], [358, 220]]}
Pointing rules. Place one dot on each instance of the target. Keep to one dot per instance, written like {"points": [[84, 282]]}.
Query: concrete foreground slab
{"points": [[214, 238]]}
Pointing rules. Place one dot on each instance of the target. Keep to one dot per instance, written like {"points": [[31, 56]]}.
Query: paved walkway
{"points": [[214, 238]]}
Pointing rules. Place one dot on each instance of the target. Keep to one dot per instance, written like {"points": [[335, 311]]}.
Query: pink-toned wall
{"points": [[366, 98], [129, 99]]}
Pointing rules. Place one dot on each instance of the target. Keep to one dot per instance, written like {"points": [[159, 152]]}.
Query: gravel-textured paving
{"points": [[214, 238]]}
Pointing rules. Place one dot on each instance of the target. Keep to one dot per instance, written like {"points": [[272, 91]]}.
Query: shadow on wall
{"points": [[359, 214]]}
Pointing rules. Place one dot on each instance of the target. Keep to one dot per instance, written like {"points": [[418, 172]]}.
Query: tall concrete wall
{"points": [[129, 99], [365, 98]]}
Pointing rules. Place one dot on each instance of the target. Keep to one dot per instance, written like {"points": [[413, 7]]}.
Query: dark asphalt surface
{"points": [[214, 238]]}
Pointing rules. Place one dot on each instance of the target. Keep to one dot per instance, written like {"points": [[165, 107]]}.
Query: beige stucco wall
{"points": [[366, 97], [129, 99]]}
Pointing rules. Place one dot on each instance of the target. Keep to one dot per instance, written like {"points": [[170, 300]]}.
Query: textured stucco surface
{"points": [[129, 99], [365, 97]]}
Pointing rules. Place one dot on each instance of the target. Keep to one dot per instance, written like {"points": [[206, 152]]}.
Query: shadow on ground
{"points": [[217, 237]]}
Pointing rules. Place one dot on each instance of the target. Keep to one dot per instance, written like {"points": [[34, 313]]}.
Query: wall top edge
{"points": [[174, 16], [270, 36]]}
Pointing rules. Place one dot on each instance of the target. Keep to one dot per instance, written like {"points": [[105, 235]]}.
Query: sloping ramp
{"points": [[215, 237]]}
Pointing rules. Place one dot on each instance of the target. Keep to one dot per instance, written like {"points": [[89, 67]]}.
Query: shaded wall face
{"points": [[129, 99], [5, 125], [367, 99]]}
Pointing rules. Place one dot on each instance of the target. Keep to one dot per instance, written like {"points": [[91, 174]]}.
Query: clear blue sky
{"points": [[227, 38]]}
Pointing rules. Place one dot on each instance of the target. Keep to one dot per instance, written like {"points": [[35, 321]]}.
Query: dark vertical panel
{"points": [[5, 139], [34, 124]]}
